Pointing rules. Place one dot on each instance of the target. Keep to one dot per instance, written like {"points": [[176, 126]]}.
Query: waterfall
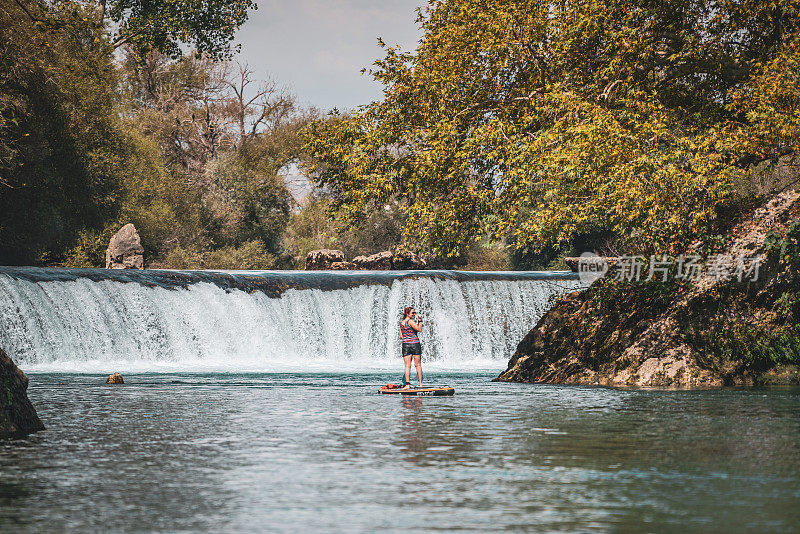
{"points": [[101, 321]]}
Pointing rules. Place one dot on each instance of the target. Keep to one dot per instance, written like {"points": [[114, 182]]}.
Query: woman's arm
{"points": [[415, 326]]}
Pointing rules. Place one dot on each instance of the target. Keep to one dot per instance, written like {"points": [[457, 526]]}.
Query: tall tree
{"points": [[537, 120], [60, 146], [71, 163], [226, 134], [207, 26]]}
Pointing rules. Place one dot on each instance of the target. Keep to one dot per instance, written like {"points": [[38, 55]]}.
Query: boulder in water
{"points": [[382, 261], [116, 378], [322, 259], [17, 414], [125, 249]]}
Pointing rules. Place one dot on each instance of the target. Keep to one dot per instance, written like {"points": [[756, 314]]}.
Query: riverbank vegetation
{"points": [[517, 132], [126, 111], [102, 123], [633, 126], [714, 331]]}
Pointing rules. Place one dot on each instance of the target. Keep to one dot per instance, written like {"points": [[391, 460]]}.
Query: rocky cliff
{"points": [[711, 331]]}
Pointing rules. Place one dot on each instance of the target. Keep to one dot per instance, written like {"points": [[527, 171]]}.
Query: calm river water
{"points": [[324, 452]]}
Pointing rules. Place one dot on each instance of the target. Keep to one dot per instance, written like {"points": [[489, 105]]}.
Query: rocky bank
{"points": [[334, 260], [17, 414], [709, 332]]}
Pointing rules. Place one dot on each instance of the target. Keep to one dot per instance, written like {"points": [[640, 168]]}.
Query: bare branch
{"points": [[607, 95], [30, 15], [123, 40]]}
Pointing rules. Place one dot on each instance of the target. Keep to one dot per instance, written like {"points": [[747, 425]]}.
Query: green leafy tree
{"points": [[59, 137], [226, 136], [537, 122], [74, 163], [207, 26], [251, 199]]}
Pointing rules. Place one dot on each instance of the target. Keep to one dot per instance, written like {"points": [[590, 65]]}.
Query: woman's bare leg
{"points": [[407, 362], [418, 365]]}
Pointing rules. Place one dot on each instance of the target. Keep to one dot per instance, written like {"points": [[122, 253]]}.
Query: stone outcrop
{"points": [[625, 336], [115, 378], [334, 260], [403, 261], [342, 266], [382, 261], [125, 250], [579, 341], [17, 414], [323, 259]]}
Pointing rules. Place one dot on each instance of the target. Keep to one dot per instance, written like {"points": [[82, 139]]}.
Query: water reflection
{"points": [[411, 429]]}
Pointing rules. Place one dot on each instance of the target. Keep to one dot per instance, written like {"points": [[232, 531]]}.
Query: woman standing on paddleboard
{"points": [[412, 349]]}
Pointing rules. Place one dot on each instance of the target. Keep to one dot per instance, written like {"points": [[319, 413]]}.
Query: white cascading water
{"points": [[82, 325]]}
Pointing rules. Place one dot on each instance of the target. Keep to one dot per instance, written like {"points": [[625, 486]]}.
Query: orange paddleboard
{"points": [[433, 392]]}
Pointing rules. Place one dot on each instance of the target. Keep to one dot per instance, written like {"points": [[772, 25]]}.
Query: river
{"points": [[251, 404], [288, 452]]}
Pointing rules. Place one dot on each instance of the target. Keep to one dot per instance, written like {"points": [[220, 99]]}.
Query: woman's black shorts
{"points": [[412, 348]]}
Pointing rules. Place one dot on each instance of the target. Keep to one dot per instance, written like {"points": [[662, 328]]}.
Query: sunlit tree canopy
{"points": [[536, 121]]}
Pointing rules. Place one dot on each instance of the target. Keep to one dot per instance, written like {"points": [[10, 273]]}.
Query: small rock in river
{"points": [[116, 378]]}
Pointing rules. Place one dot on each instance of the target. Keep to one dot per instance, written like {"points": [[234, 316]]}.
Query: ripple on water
{"points": [[324, 451]]}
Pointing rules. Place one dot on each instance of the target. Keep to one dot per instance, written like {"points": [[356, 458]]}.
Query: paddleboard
{"points": [[432, 392]]}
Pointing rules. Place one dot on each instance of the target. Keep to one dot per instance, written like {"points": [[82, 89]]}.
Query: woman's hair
{"points": [[407, 311]]}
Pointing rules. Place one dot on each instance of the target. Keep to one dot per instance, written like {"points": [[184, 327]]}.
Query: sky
{"points": [[317, 48]]}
